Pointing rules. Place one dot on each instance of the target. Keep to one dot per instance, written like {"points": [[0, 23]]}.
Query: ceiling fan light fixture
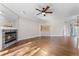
{"points": [[43, 13]]}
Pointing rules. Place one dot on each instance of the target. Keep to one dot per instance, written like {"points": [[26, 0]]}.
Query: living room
{"points": [[39, 29]]}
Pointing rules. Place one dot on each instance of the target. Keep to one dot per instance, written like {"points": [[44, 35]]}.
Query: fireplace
{"points": [[8, 36]]}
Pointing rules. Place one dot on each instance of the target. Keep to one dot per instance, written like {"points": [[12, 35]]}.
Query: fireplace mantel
{"points": [[8, 28]]}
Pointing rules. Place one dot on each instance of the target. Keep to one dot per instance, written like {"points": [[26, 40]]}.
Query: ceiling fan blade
{"points": [[38, 9], [48, 12], [38, 13], [46, 8]]}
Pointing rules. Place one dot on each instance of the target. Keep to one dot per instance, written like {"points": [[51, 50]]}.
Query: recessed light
{"points": [[1, 12]]}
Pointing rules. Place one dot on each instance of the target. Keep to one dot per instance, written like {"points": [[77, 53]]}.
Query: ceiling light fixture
{"points": [[44, 11], [1, 12]]}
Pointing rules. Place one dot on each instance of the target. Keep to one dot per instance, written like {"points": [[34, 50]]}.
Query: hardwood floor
{"points": [[42, 46]]}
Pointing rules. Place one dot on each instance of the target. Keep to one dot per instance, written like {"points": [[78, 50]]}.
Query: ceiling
{"points": [[62, 11]]}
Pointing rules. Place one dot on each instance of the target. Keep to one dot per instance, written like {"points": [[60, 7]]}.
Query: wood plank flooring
{"points": [[42, 46]]}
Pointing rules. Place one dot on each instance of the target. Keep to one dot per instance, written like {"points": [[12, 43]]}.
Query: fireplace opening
{"points": [[10, 36]]}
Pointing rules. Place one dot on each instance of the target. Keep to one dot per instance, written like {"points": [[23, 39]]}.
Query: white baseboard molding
{"points": [[44, 36], [55, 35], [29, 37]]}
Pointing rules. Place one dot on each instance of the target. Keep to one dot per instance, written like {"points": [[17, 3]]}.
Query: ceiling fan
{"points": [[44, 11]]}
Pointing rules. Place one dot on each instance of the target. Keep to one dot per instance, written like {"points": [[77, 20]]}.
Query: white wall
{"points": [[28, 28], [6, 21], [7, 17], [57, 28]]}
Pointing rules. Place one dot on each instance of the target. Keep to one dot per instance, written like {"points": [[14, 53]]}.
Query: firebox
{"points": [[10, 36]]}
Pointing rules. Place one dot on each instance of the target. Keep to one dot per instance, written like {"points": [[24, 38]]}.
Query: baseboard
{"points": [[56, 36], [32, 38]]}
